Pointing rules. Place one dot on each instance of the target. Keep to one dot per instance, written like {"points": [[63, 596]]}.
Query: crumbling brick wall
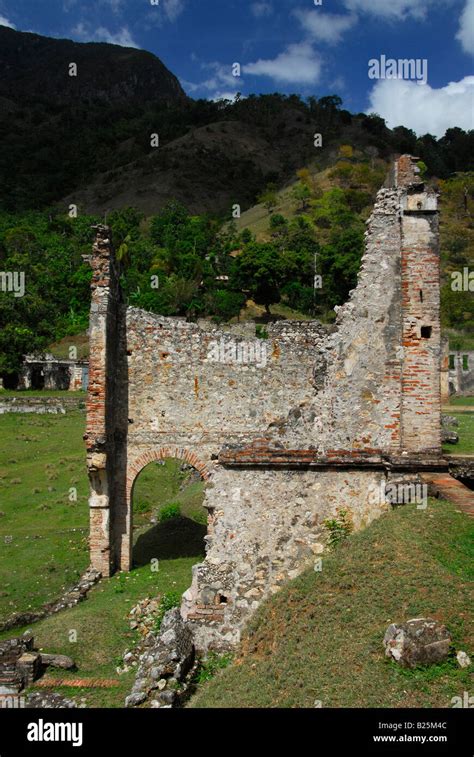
{"points": [[106, 405], [313, 423]]}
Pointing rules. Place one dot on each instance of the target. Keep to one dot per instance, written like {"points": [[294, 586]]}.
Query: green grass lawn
{"points": [[320, 638], [159, 485], [465, 430], [43, 531], [464, 401], [43, 546]]}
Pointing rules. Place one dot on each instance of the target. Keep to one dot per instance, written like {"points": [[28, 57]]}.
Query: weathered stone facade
{"points": [[288, 431]]}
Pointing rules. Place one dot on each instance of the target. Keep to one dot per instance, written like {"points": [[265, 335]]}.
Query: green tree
{"points": [[225, 304], [268, 198], [302, 194], [258, 271]]}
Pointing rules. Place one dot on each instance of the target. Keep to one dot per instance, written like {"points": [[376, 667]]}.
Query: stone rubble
{"points": [[448, 435], [142, 619], [464, 661], [165, 666], [420, 641], [49, 700]]}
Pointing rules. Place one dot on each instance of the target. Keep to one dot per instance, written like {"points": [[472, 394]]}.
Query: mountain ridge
{"points": [[125, 74], [88, 140]]}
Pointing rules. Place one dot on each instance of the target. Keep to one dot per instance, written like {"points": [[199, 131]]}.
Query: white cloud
{"points": [[325, 27], [466, 28], [260, 9], [422, 108], [297, 64], [173, 8], [5, 22], [85, 33], [220, 76], [394, 9]]}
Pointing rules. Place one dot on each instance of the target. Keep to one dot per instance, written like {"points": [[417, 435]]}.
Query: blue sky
{"points": [[288, 46]]}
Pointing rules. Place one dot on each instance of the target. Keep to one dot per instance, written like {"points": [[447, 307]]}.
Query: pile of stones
{"points": [[50, 700], [420, 641], [142, 619], [165, 666]]}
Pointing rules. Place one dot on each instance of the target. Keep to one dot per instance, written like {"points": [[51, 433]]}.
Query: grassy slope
{"points": [[61, 349], [257, 218], [160, 485], [320, 638]]}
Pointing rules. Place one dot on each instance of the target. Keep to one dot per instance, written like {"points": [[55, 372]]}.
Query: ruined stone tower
{"points": [[322, 424]]}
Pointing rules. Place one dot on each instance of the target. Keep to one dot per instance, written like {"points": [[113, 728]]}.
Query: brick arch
{"points": [[137, 465], [123, 540]]}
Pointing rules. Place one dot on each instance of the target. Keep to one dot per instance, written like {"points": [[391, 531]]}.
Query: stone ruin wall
{"points": [[317, 429], [375, 407], [267, 526], [184, 402]]}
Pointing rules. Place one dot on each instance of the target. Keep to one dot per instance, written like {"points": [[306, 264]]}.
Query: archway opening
{"points": [[169, 521]]}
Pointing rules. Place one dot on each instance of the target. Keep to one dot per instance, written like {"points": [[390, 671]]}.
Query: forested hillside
{"points": [[174, 209]]}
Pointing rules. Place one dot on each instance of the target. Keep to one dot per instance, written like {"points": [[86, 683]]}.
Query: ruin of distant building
{"points": [[49, 372]]}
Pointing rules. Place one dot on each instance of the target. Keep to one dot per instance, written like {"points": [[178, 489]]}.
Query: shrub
{"points": [[299, 297], [277, 222], [169, 512], [225, 304], [339, 528], [246, 236]]}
